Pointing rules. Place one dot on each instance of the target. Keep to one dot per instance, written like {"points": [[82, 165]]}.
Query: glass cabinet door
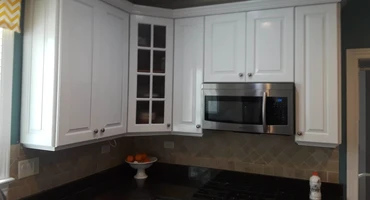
{"points": [[151, 102]]}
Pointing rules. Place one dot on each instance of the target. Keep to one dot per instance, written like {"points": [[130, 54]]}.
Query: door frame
{"points": [[352, 88]]}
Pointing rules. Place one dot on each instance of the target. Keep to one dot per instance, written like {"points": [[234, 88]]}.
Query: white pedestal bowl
{"points": [[141, 166]]}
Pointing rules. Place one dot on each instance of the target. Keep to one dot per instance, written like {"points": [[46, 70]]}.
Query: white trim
{"points": [[352, 87], [212, 9], [6, 101]]}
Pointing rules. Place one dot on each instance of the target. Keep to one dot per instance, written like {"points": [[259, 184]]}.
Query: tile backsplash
{"points": [[61, 167], [260, 154]]}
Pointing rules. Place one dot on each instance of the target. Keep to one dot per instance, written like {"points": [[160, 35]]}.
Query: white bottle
{"points": [[315, 187]]}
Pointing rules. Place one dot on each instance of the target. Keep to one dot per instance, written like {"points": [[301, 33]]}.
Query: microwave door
{"points": [[225, 111]]}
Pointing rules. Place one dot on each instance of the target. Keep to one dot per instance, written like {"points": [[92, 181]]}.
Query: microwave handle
{"points": [[264, 123]]}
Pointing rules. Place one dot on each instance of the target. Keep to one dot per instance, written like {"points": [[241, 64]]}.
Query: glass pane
{"points": [[143, 86], [144, 35], [143, 60], [142, 112], [277, 110], [158, 86], [159, 36], [159, 61], [240, 110], [364, 63], [158, 112]]}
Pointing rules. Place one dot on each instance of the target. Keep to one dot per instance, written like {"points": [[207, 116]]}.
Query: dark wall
{"points": [[355, 34]]}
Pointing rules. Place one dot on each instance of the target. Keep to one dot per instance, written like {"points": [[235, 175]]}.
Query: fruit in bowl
{"points": [[140, 162]]}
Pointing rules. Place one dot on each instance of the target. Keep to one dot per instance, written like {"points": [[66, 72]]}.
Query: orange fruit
{"points": [[146, 160], [144, 156], [130, 158], [138, 157]]}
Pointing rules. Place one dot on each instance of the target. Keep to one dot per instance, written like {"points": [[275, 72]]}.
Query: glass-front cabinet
{"points": [[150, 81]]}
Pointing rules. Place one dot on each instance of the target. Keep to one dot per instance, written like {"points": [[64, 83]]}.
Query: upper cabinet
{"points": [[74, 73], [317, 75], [151, 60], [188, 76], [256, 46], [270, 45], [225, 48]]}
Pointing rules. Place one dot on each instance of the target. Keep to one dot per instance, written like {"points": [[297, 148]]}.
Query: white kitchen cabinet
{"points": [[225, 48], [317, 75], [188, 76], [270, 45], [151, 68], [75, 71]]}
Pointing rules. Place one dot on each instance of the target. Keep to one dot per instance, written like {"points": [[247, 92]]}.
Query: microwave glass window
{"points": [[229, 109], [277, 110]]}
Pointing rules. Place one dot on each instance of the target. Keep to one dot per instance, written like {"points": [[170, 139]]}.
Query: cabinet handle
{"points": [[241, 74], [250, 74], [299, 133], [96, 131], [102, 130], [168, 125], [198, 126]]}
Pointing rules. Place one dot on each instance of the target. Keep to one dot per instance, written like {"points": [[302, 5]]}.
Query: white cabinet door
{"points": [[317, 75], [225, 48], [75, 104], [270, 44], [151, 71], [188, 75], [111, 70]]}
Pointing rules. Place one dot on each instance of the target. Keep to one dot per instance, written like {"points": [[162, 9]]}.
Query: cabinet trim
{"points": [[212, 9]]}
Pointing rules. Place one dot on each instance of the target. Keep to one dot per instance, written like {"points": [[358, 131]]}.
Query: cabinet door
{"points": [[225, 48], [75, 102], [317, 71], [188, 75], [151, 65], [270, 45], [111, 70]]}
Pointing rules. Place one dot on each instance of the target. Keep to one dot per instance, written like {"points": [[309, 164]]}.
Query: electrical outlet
{"points": [[28, 167], [105, 149], [169, 144]]}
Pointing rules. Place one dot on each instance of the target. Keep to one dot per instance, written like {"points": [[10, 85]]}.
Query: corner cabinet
{"points": [[151, 71], [317, 75], [74, 73], [188, 76]]}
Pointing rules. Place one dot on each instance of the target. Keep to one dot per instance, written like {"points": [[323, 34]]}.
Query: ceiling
{"points": [[173, 4]]}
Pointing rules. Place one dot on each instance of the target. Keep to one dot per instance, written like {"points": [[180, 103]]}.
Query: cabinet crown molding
{"points": [[212, 9]]}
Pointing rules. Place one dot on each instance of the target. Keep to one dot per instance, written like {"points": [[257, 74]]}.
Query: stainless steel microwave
{"points": [[250, 107]]}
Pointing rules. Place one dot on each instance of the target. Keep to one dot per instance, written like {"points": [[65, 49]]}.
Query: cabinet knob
{"points": [[250, 74], [241, 74], [198, 126], [168, 125], [96, 131], [102, 130], [299, 133]]}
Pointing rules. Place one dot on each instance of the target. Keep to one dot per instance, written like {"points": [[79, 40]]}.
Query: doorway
{"points": [[357, 60]]}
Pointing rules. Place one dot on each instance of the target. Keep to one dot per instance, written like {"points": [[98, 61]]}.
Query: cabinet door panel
{"points": [[188, 75], [150, 80], [317, 75], [111, 70], [75, 66], [225, 48], [270, 45]]}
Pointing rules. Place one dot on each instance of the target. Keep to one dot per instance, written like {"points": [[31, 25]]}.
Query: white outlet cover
{"points": [[105, 149], [169, 144], [28, 167]]}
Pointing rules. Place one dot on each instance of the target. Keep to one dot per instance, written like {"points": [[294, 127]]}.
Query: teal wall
{"points": [[355, 34], [17, 82]]}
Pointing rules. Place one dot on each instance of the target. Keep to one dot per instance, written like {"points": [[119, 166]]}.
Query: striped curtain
{"points": [[10, 14]]}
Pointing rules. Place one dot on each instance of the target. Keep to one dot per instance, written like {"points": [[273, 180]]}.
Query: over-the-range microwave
{"points": [[249, 107]]}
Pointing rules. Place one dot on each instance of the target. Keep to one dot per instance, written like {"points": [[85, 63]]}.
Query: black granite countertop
{"points": [[176, 182]]}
